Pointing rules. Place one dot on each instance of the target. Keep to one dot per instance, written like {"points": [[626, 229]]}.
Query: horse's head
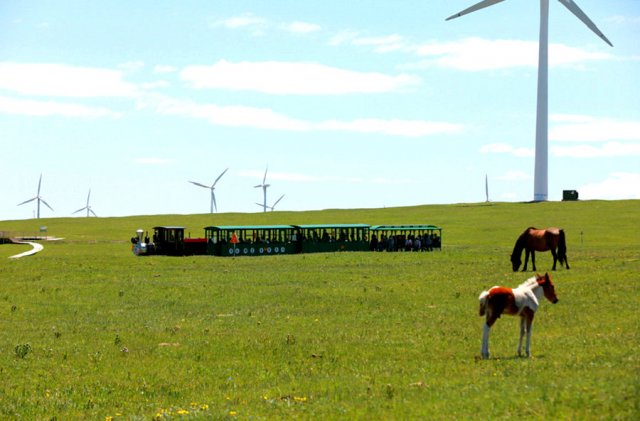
{"points": [[516, 262], [548, 288]]}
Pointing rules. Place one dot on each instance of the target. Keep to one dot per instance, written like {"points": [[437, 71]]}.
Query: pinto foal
{"points": [[522, 301]]}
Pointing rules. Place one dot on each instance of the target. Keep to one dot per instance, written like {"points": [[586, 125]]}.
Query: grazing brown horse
{"points": [[532, 240]]}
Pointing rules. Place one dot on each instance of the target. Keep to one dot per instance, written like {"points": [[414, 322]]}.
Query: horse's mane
{"points": [[529, 283], [520, 243]]}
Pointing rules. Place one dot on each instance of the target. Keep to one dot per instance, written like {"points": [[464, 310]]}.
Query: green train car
{"points": [[268, 240]]}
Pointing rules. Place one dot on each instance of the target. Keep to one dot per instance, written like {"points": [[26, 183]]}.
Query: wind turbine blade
{"points": [[219, 177], [213, 197], [573, 8], [94, 214], [79, 210], [201, 185], [88, 196], [477, 6], [274, 205], [39, 183], [42, 200], [265, 175], [27, 201], [259, 185]]}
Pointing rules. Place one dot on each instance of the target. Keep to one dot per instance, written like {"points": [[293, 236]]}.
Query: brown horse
{"points": [[532, 240]]}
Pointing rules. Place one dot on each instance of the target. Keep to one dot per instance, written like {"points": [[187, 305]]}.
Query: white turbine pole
{"points": [[541, 169], [486, 186]]}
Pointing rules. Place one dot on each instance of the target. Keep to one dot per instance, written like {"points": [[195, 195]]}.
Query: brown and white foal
{"points": [[522, 301]]}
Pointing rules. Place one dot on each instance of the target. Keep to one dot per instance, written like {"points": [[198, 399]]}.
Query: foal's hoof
{"points": [[485, 356]]}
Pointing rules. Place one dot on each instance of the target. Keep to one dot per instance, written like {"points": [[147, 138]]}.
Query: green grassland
{"points": [[89, 331]]}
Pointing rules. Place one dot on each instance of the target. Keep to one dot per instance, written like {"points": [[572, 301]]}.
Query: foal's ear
{"points": [[547, 277]]}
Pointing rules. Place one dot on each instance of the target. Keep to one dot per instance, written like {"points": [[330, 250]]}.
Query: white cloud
{"points": [[257, 25], [580, 128], [505, 148], [301, 27], [288, 78], [231, 116], [617, 186], [152, 161], [606, 150], [63, 80], [478, 54], [164, 68], [514, 175], [624, 20], [343, 37], [242, 22], [264, 118], [393, 127], [383, 44], [132, 66], [52, 108]]}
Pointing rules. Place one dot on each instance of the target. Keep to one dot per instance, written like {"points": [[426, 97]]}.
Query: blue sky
{"points": [[350, 104]]}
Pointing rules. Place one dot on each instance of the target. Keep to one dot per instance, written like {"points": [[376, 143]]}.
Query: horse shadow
{"points": [[478, 358]]}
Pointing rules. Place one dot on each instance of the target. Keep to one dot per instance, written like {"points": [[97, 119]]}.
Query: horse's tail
{"points": [[562, 248], [483, 302]]}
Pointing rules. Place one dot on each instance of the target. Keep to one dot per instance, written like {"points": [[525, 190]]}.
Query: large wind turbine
{"points": [[38, 198], [264, 186], [212, 188], [541, 184], [87, 207]]}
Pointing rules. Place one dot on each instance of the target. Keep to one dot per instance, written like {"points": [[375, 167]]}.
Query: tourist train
{"points": [[263, 240]]}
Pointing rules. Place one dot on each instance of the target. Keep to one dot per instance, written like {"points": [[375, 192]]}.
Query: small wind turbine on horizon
{"points": [[38, 198], [212, 188], [87, 207], [486, 186], [264, 186], [272, 207], [541, 181]]}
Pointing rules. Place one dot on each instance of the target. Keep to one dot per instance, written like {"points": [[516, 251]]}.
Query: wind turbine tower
{"points": [[264, 186], [212, 188], [541, 183], [38, 198], [486, 186]]}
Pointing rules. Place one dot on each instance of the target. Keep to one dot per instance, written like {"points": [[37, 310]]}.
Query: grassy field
{"points": [[89, 331]]}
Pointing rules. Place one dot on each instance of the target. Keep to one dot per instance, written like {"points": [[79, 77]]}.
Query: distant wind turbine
{"points": [[486, 186], [38, 198], [212, 188], [264, 186], [541, 183], [272, 207], [87, 207]]}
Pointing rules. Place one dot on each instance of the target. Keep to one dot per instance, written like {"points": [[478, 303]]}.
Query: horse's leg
{"points": [[522, 332], [526, 259], [529, 324], [566, 262], [485, 341], [555, 258], [486, 329], [533, 259]]}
